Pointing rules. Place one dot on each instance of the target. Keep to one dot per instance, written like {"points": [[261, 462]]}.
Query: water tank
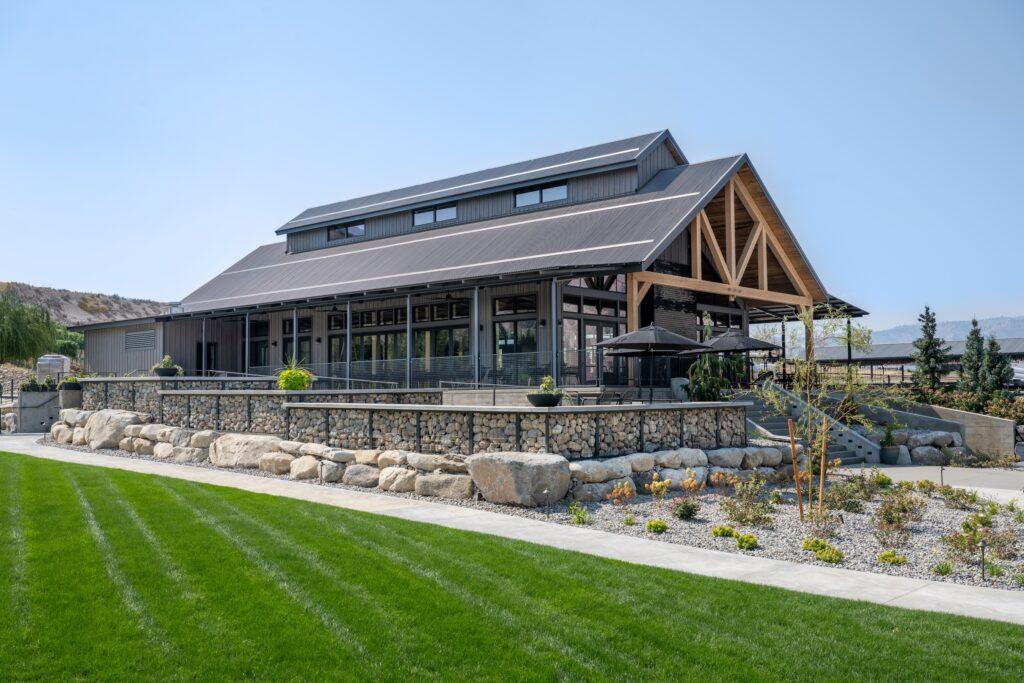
{"points": [[54, 365]]}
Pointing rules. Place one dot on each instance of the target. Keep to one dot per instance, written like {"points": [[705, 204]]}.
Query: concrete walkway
{"points": [[986, 603], [1002, 485]]}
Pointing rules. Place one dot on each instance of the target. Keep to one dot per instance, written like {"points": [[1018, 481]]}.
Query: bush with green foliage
{"points": [[657, 526], [996, 371], [1019, 579], [629, 519], [578, 514], [748, 505], [972, 359], [723, 531], [958, 499], [927, 486], [824, 525], [294, 377], [830, 554], [746, 542], [815, 544], [942, 569], [685, 508], [892, 557], [994, 570], [547, 386]]}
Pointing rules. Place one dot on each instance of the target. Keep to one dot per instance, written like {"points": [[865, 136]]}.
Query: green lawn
{"points": [[113, 575]]}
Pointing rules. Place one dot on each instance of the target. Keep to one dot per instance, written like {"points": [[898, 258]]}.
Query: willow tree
{"points": [[26, 331]]}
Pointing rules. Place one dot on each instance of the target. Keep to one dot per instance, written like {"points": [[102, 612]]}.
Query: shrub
{"points": [[958, 499], [746, 542], [685, 508], [943, 569], [1019, 579], [904, 486], [815, 544], [891, 535], [748, 506], [904, 505], [578, 513], [891, 557], [830, 555], [547, 386], [994, 570], [927, 486], [658, 487], [657, 526], [629, 520], [1019, 517], [294, 378], [965, 545], [776, 497], [621, 493], [824, 525], [882, 480], [723, 531]]}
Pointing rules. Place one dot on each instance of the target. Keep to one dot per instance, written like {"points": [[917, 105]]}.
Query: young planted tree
{"points": [[930, 355], [26, 332], [971, 362], [996, 370]]}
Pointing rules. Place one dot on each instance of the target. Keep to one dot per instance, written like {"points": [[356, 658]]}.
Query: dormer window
{"points": [[435, 214], [344, 232], [542, 195]]}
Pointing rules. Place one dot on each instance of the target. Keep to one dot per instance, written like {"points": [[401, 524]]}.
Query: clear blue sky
{"points": [[146, 146]]}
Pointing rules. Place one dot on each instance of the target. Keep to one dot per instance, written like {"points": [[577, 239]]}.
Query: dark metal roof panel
{"points": [[903, 351], [575, 161], [623, 230]]}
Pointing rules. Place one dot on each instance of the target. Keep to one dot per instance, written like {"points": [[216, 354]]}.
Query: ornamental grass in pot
{"points": [[546, 396]]}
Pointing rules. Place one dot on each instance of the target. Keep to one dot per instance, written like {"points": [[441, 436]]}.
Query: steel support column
{"points": [[247, 358], [295, 335], [408, 341], [202, 351], [348, 344], [476, 336], [553, 319]]}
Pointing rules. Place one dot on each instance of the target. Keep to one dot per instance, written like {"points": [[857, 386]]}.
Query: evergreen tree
{"points": [[996, 371], [929, 354], [973, 359]]}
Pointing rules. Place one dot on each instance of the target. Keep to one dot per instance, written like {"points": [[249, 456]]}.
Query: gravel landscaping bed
{"points": [[782, 540]]}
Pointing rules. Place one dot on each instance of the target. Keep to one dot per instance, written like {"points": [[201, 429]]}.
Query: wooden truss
{"points": [[729, 262]]}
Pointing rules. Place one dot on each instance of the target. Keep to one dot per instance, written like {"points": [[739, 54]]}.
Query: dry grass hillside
{"points": [[82, 308]]}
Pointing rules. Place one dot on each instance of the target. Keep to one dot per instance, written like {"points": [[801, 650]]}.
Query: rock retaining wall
{"points": [[572, 433]]}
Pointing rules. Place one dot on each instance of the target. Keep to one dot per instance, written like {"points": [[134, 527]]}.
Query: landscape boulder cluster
{"points": [[508, 478]]}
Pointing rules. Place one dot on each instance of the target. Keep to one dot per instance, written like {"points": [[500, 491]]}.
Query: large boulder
{"points": [[942, 439], [929, 438], [75, 417], [731, 458], [61, 433], [365, 476], [618, 467], [134, 431], [163, 450], [367, 456], [331, 472], [290, 447], [752, 458], [80, 437], [142, 446], [594, 493], [904, 457], [526, 479], [391, 459], [441, 485], [640, 462], [770, 456], [430, 462], [241, 450], [927, 455], [692, 457], [305, 467], [900, 436], [588, 471], [125, 444], [187, 454], [315, 450], [340, 455], [276, 462], [722, 476], [203, 438], [176, 436], [151, 432], [398, 479], [678, 476], [105, 428]]}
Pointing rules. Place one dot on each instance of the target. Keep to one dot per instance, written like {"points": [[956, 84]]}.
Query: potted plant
{"points": [[547, 396], [167, 368], [294, 377], [70, 392], [889, 452]]}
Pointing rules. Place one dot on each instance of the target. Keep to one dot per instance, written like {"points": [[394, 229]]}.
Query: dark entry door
{"points": [[211, 356]]}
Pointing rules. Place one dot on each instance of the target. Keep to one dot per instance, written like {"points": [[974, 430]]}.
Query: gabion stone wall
{"points": [[573, 434]]}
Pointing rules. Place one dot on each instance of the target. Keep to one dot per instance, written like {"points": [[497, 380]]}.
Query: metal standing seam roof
{"points": [[575, 161], [1013, 346], [631, 229]]}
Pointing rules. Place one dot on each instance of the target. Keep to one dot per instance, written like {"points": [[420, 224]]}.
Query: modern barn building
{"points": [[498, 277]]}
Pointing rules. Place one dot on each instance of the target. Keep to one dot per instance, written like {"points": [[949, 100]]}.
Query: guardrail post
{"points": [[519, 432], [469, 431], [547, 432], [419, 431], [597, 434]]}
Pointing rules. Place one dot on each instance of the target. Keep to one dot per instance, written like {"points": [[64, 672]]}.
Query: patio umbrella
{"points": [[650, 341], [734, 341]]}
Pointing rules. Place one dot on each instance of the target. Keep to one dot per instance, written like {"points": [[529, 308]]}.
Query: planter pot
{"points": [[165, 372], [889, 455], [70, 398], [544, 400]]}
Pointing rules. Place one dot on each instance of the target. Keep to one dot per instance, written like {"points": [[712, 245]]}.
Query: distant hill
{"points": [[83, 308], [953, 330]]}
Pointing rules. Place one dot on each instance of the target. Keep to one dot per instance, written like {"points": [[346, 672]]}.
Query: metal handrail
{"points": [[833, 423]]}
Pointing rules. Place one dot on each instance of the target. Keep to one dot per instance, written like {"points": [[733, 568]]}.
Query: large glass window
{"points": [[571, 342], [259, 353], [288, 350], [515, 305], [515, 336], [442, 341], [542, 195], [259, 328], [435, 214], [336, 349], [343, 232], [336, 321], [305, 325], [382, 346]]}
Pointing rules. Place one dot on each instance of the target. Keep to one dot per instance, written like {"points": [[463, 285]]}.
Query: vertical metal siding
{"points": [[105, 350], [602, 185], [658, 159]]}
